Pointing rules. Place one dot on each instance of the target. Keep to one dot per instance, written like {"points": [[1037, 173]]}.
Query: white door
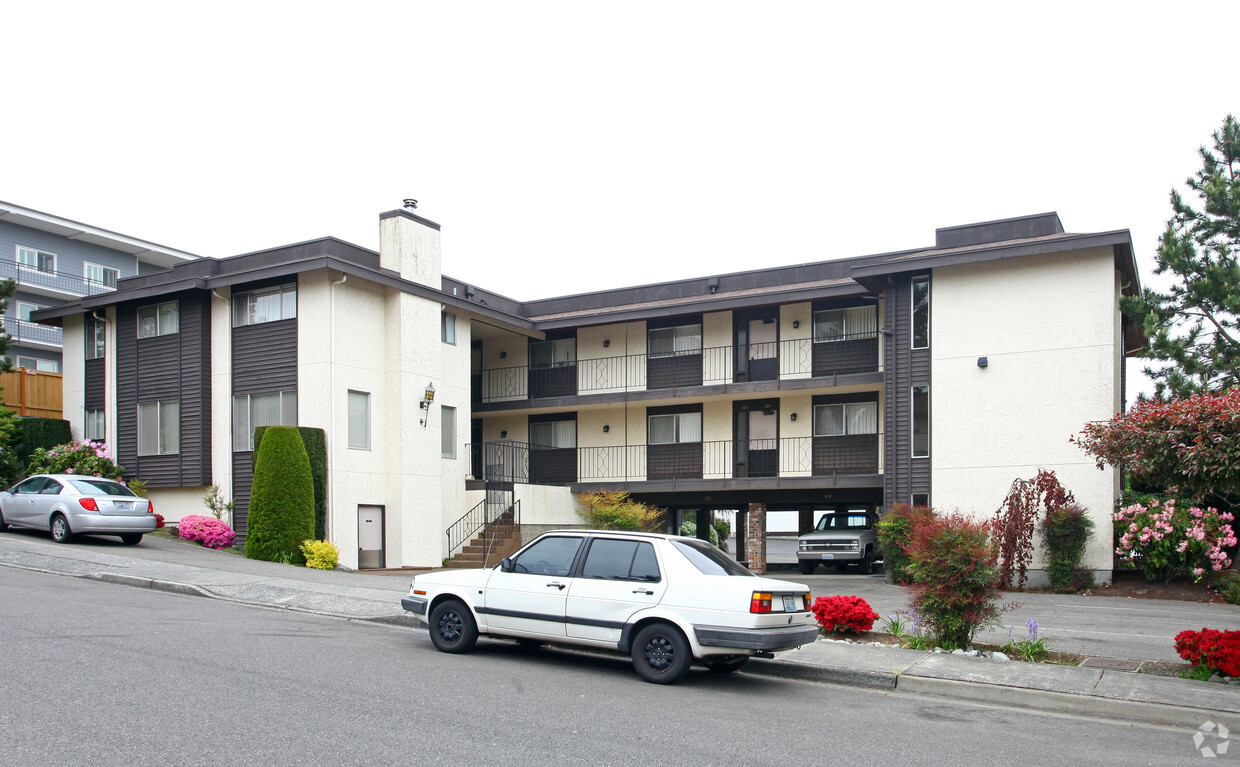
{"points": [[530, 599], [618, 578], [369, 537]]}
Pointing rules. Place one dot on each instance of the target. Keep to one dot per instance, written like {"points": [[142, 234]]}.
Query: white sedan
{"points": [[666, 600]]}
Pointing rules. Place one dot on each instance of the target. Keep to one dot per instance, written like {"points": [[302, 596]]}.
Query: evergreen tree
{"points": [[1193, 328]]}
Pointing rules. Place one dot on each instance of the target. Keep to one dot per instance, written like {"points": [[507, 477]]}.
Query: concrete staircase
{"points": [[501, 538]]}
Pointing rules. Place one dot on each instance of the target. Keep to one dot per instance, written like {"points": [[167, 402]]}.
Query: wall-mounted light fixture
{"points": [[606, 342], [503, 434], [796, 323], [427, 398], [606, 428], [982, 362], [792, 417], [503, 355]]}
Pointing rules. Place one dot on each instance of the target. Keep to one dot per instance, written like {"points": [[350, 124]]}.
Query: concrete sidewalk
{"points": [[183, 568]]}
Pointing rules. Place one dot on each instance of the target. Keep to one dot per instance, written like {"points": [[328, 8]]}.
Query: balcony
{"points": [[713, 366], [52, 282], [24, 332], [845, 455]]}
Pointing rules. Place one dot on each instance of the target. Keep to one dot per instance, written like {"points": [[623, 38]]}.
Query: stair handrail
{"points": [[456, 538], [493, 527]]}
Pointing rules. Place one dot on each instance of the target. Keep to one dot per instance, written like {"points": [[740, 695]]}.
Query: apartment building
{"points": [[933, 375]]}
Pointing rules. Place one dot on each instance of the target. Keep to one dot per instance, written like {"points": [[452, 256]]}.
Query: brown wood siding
{"points": [[904, 368], [174, 366], [95, 396]]}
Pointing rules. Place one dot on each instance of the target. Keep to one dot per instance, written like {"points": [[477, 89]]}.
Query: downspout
{"points": [[331, 380]]}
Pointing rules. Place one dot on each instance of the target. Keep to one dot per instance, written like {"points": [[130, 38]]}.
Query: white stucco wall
{"points": [[73, 375], [1047, 326], [221, 391], [173, 503]]}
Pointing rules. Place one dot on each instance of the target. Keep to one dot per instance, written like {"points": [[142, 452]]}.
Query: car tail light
{"points": [[88, 504], [150, 507], [807, 598], [760, 603]]}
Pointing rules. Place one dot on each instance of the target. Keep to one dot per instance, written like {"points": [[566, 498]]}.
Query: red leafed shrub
{"points": [[955, 589], [847, 615], [159, 520], [1210, 648], [208, 531], [1014, 522]]}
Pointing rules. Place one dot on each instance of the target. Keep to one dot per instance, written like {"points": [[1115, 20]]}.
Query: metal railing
{"points": [[712, 366], [493, 516], [500, 528], [61, 282], [848, 454], [24, 331]]}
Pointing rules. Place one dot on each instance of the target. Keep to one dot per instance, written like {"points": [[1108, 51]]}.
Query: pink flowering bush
{"points": [[209, 531], [90, 459], [1164, 540]]}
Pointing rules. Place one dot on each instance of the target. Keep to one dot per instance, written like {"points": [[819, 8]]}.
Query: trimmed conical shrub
{"points": [[282, 501]]}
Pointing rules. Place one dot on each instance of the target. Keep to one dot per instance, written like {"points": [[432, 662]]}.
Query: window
{"points": [[674, 342], [447, 328], [94, 338], [621, 561], [24, 309], [708, 559], [254, 307], [921, 421], [549, 556], [673, 428], [359, 420], [95, 429], [102, 275], [921, 312], [553, 354], [845, 418], [158, 320], [250, 411], [552, 435], [159, 427], [845, 324], [921, 499], [35, 363], [447, 432], [38, 260]]}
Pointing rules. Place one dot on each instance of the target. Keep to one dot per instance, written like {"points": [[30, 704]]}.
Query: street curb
{"points": [[1092, 706], [852, 677], [140, 582], [407, 621]]}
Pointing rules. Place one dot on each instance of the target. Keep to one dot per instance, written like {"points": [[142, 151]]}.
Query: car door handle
{"points": [[647, 592], [557, 584]]}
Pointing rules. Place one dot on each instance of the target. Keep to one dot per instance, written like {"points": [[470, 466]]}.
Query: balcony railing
{"points": [[507, 461], [22, 331], [61, 282], [768, 361]]}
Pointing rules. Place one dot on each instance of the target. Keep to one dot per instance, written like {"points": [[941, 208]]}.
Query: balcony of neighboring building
{"points": [[32, 334], [35, 272]]}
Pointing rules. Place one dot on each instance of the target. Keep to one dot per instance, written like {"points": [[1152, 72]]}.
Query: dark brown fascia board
{"points": [[1120, 239], [705, 304]]}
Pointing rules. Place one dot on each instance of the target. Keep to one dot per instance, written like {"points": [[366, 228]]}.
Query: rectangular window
{"points": [[158, 320], [921, 312], [845, 418], [553, 354], [159, 427], [38, 260], [447, 432], [253, 410], [35, 363], [94, 338], [674, 342], [447, 328], [24, 309], [921, 421], [95, 430], [359, 420], [673, 428], [255, 307], [845, 324], [921, 499], [553, 435], [102, 275]]}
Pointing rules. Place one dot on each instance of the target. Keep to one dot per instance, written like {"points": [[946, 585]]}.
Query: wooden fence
{"points": [[30, 392]]}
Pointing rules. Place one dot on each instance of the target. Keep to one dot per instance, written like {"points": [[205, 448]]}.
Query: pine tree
{"points": [[1193, 328]]}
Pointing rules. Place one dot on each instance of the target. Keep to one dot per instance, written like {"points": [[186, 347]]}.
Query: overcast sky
{"points": [[567, 147]]}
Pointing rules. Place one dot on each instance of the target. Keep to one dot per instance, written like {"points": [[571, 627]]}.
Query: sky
{"points": [[566, 147]]}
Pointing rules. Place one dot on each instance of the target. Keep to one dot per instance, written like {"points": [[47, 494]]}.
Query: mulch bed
{"points": [[1134, 585]]}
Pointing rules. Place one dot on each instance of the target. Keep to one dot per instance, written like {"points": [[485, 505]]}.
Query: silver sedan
{"points": [[69, 504]]}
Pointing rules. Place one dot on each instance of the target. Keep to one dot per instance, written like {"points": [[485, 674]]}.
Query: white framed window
{"points": [[23, 309], [921, 312], [159, 427], [39, 260], [35, 363], [447, 432], [95, 429], [101, 275], [447, 328], [94, 338], [843, 324], [921, 421], [277, 408], [254, 307], [674, 342], [159, 320], [673, 428], [359, 420], [839, 419]]}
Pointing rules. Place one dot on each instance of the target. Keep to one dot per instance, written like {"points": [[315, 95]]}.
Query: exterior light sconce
{"points": [[796, 323], [982, 362], [606, 428], [503, 434], [427, 398], [606, 342], [792, 417], [503, 355]]}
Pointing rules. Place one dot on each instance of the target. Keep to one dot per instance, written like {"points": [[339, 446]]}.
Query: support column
{"points": [[755, 539], [704, 520], [740, 525], [805, 519]]}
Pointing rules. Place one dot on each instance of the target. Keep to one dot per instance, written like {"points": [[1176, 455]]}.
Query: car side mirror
{"points": [[506, 565]]}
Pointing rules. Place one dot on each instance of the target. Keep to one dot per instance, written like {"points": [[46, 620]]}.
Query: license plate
{"points": [[124, 505], [790, 604], [828, 556]]}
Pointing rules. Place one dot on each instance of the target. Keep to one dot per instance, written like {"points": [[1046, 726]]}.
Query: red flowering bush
{"points": [[209, 531], [1218, 651], [847, 615]]}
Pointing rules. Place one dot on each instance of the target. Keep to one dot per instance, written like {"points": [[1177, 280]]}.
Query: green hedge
{"points": [[315, 442], [282, 502], [35, 432]]}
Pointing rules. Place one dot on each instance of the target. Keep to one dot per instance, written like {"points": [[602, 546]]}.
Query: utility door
{"points": [[370, 554]]}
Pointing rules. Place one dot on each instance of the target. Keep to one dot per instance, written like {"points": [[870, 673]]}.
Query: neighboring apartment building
{"points": [[934, 375], [55, 260]]}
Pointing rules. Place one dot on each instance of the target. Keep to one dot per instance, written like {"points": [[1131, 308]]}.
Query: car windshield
{"points": [[100, 487], [850, 521], [708, 559]]}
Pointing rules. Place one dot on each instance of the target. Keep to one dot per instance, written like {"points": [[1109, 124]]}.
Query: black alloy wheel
{"points": [[453, 628], [661, 654]]}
